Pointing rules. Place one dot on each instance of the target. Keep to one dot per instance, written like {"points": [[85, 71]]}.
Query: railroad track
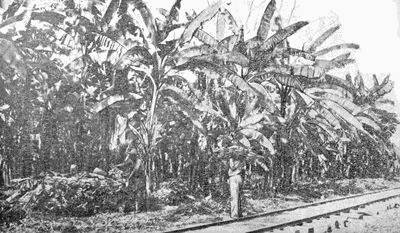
{"points": [[323, 216]]}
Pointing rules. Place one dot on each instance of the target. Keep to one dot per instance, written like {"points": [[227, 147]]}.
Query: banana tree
{"points": [[151, 63], [23, 61], [375, 114]]}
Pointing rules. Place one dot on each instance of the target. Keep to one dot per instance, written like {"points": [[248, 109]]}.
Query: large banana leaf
{"points": [[13, 19], [341, 57], [184, 56], [234, 57], [265, 96], [344, 114], [308, 72], [106, 103], [326, 128], [344, 102], [230, 21], [322, 38], [251, 120], [299, 53], [10, 54], [196, 23], [263, 29], [368, 121], [259, 137], [134, 54], [51, 17], [205, 38], [336, 47], [328, 65], [194, 51], [147, 19], [333, 82], [281, 35], [330, 118]]}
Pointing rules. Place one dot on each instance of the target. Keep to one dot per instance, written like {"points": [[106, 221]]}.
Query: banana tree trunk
{"points": [[295, 172]]}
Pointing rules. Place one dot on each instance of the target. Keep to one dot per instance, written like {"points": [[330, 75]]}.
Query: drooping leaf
{"points": [[322, 38], [344, 114], [307, 100], [336, 47], [263, 29], [330, 118], [333, 82], [194, 51], [332, 64], [147, 18], [205, 38], [264, 96], [196, 23], [245, 142], [134, 54], [369, 122], [51, 17], [327, 128], [281, 35], [344, 102], [251, 120], [240, 83], [341, 57], [262, 165], [11, 55], [259, 137], [230, 21], [106, 103]]}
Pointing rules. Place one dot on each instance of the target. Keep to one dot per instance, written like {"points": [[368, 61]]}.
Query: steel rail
{"points": [[280, 211], [317, 216]]}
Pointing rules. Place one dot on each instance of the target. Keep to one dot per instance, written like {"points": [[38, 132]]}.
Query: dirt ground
{"points": [[198, 211]]}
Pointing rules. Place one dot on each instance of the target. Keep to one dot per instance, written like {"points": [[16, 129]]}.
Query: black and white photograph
{"points": [[200, 116]]}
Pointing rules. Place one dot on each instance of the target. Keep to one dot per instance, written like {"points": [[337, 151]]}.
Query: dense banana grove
{"points": [[85, 83]]}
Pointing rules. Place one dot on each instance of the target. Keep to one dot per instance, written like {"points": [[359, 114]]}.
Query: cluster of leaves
{"points": [[172, 192], [80, 195]]}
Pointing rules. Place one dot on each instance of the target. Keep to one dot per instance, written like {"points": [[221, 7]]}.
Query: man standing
{"points": [[235, 173]]}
